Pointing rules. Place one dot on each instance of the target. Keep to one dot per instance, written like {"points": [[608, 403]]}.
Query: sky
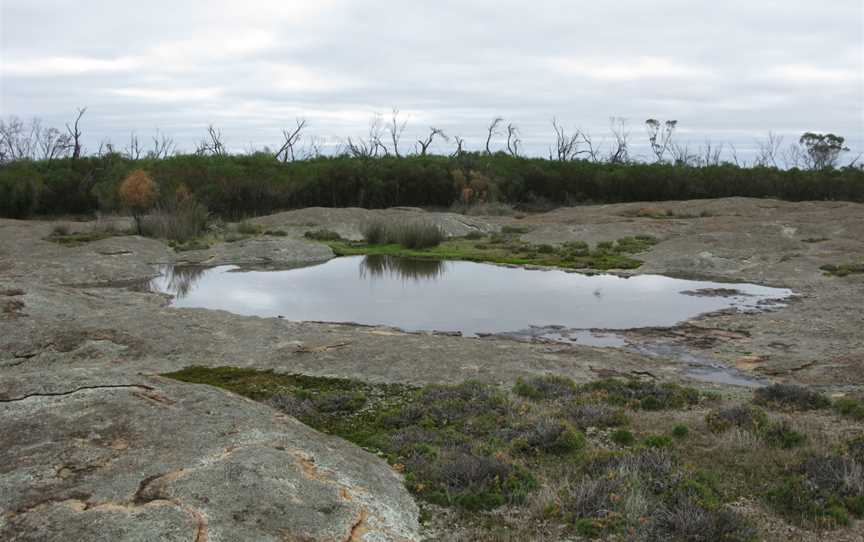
{"points": [[728, 71]]}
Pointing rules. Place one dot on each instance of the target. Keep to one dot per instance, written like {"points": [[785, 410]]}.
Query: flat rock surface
{"points": [[96, 455], [84, 422]]}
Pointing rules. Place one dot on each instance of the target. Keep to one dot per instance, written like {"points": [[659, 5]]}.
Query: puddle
{"points": [[470, 298]]}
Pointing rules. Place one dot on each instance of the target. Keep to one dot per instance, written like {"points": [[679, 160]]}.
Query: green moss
{"points": [[506, 249], [276, 233], [515, 229], [843, 270]]}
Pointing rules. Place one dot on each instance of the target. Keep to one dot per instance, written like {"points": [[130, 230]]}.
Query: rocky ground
{"points": [[96, 446]]}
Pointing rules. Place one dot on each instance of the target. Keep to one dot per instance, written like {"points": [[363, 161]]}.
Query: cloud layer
{"points": [[729, 71]]}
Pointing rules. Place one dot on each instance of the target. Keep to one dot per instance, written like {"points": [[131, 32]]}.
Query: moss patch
{"points": [[508, 249], [78, 239], [843, 270]]}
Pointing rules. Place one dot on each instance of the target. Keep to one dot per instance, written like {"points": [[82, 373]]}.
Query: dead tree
{"points": [[592, 151], [460, 147], [286, 151], [396, 128], [53, 144], [660, 136], [619, 151], [711, 154], [370, 147], [211, 145], [491, 131], [163, 146], [424, 144], [513, 140], [768, 150], [134, 150], [566, 146], [75, 133]]}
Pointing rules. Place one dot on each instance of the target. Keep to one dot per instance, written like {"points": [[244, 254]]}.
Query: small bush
{"points": [[644, 395], [179, 221], [680, 431], [322, 235], [658, 441], [276, 233], [848, 406], [686, 520], [413, 235], [584, 415], [790, 396], [474, 235], [746, 417], [782, 435], [138, 192], [545, 387], [623, 437], [548, 436], [247, 228]]}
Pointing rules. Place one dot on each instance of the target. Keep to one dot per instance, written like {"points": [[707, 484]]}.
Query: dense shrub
{"points": [[242, 185], [790, 396]]}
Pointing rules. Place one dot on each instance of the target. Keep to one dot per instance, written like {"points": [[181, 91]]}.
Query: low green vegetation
{"points": [[63, 235], [415, 235], [843, 270], [505, 248], [597, 459]]}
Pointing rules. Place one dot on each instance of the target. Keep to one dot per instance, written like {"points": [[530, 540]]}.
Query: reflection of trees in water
{"points": [[377, 266], [180, 280]]}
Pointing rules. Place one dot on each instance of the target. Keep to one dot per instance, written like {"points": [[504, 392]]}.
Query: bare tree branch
{"points": [[424, 144], [396, 128], [513, 140], [491, 131], [75, 133], [286, 151]]}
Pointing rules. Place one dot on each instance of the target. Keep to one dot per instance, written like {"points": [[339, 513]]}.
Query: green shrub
{"points": [[623, 437], [790, 396], [658, 441], [644, 395], [247, 228], [179, 221], [322, 235], [848, 406], [545, 387], [743, 416], [680, 431]]}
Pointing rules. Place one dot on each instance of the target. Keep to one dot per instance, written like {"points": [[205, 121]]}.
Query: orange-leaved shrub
{"points": [[138, 193]]}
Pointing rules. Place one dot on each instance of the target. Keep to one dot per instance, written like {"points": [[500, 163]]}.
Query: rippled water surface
{"points": [[471, 298]]}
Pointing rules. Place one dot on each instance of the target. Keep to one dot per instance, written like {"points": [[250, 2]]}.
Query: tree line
{"points": [[48, 171]]}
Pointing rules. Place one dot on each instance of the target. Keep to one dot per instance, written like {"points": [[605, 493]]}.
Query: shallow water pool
{"points": [[455, 296]]}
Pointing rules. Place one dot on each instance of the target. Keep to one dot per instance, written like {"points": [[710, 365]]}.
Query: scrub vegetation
{"points": [[623, 458], [245, 185]]}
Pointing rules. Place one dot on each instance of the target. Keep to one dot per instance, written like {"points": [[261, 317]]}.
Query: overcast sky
{"points": [[727, 70]]}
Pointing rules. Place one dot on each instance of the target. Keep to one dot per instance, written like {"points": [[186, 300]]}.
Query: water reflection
{"points": [[382, 266], [180, 280]]}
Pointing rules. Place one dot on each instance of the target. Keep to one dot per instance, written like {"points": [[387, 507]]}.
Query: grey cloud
{"points": [[728, 71]]}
